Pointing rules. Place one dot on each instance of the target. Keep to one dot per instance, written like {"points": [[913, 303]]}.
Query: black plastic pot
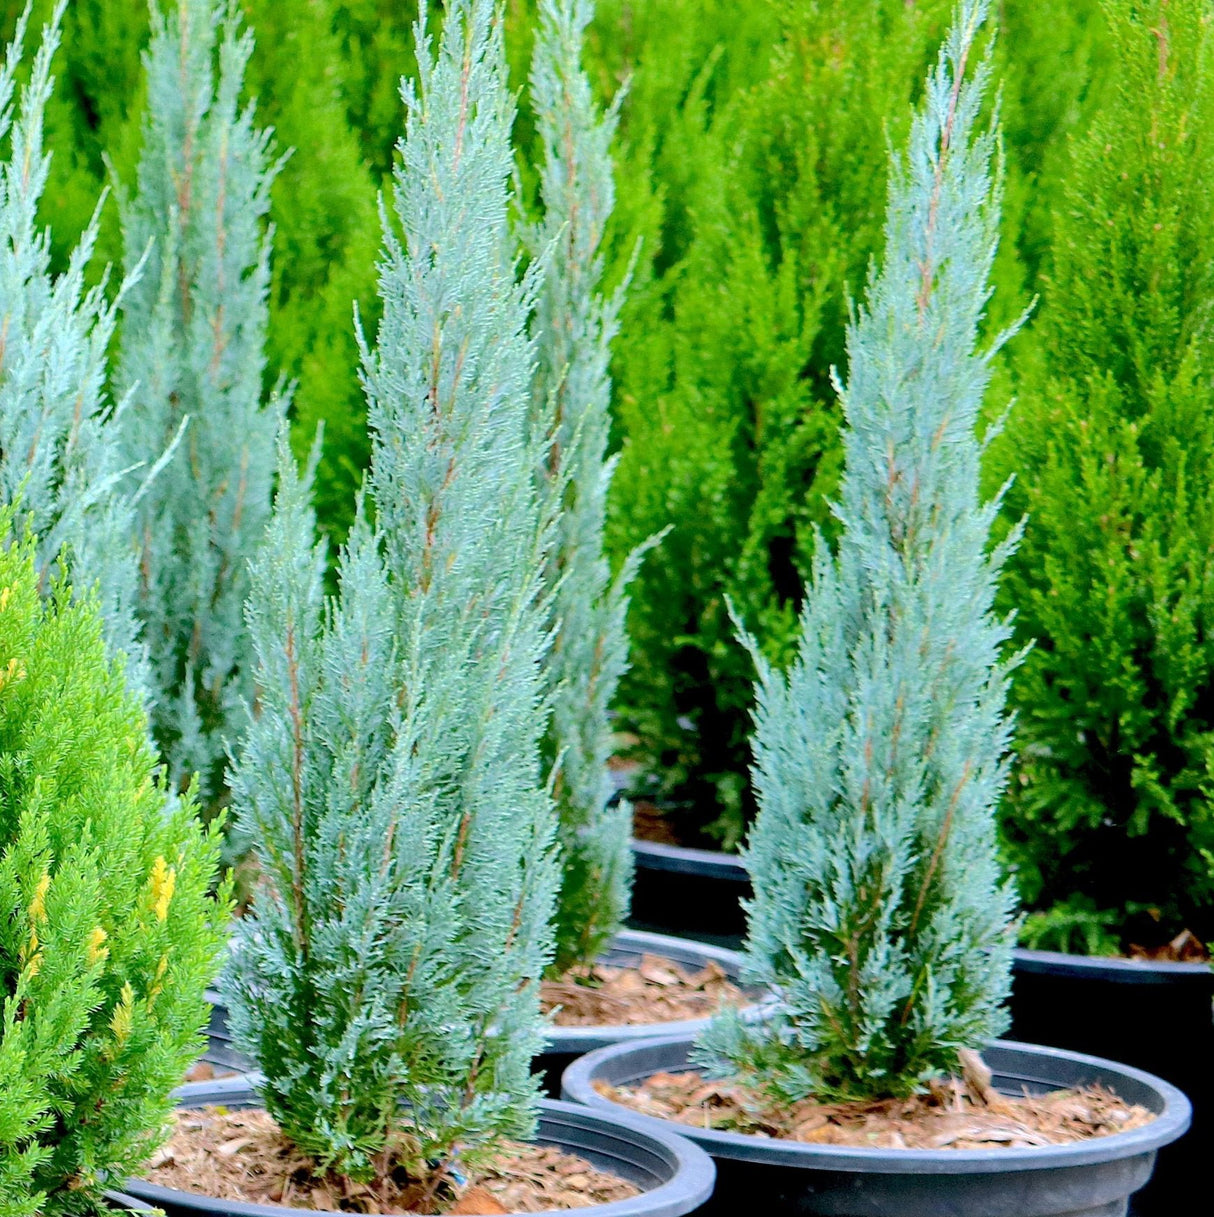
{"points": [[675, 1176], [1089, 1179], [1154, 1016], [220, 1051], [694, 893], [565, 1044], [128, 1204]]}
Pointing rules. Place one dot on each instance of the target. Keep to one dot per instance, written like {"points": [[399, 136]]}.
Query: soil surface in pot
{"points": [[1186, 947], [204, 1071], [956, 1113], [242, 1155], [649, 824], [657, 990]]}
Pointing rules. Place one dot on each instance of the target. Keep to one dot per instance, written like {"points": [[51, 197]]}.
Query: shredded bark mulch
{"points": [[204, 1071], [1186, 947], [655, 991], [242, 1155], [957, 1113], [649, 824]]}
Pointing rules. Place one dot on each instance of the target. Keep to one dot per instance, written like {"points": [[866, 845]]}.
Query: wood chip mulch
{"points": [[649, 824], [1186, 947], [204, 1071], [242, 1155], [958, 1113], [655, 991]]}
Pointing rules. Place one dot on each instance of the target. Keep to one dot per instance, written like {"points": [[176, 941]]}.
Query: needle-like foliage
{"points": [[193, 338], [573, 328], [386, 980], [108, 933], [881, 755], [59, 448], [1111, 820]]}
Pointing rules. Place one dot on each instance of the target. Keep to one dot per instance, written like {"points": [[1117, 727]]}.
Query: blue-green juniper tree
{"points": [[59, 443], [573, 327], [880, 756], [387, 978], [193, 351]]}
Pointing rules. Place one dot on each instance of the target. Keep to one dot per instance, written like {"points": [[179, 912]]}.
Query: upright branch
{"points": [[387, 977], [60, 455], [881, 755], [192, 355], [573, 326]]}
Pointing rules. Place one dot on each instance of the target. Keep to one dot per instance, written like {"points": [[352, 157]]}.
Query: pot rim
{"points": [[1170, 1123], [692, 1177], [687, 860], [1114, 968]]}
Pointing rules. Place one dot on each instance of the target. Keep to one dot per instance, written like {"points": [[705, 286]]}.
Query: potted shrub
{"points": [[604, 983], [651, 978], [756, 173], [111, 931], [386, 978], [1109, 822], [880, 757]]}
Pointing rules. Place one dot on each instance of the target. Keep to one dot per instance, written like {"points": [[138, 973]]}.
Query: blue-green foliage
{"points": [[882, 753], [573, 327], [193, 338], [387, 977], [59, 453]]}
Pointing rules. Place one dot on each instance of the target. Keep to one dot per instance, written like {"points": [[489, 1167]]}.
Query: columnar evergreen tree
{"points": [[387, 978], [108, 935], [193, 339], [1113, 812], [59, 443], [574, 326], [729, 430], [881, 755]]}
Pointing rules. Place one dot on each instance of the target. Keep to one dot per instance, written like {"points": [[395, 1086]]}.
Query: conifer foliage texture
{"points": [[1112, 814], [881, 755], [59, 443], [108, 936], [574, 325], [387, 978], [193, 336]]}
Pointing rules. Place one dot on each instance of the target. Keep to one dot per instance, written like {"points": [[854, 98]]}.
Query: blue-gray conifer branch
{"points": [[573, 327], [60, 457], [193, 352]]}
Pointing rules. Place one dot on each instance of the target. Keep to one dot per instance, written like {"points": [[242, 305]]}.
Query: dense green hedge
{"points": [[1110, 820]]}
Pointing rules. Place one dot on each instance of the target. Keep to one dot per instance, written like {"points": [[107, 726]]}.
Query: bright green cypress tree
{"points": [[193, 348], [573, 328], [59, 445], [386, 980], [1112, 815], [108, 936], [881, 754]]}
